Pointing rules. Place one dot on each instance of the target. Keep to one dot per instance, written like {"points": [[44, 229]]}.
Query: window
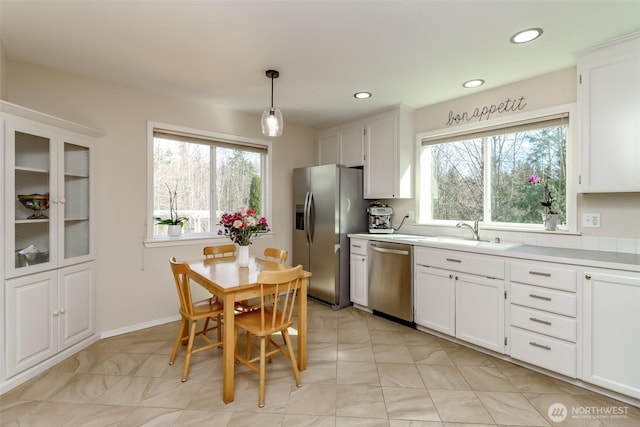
{"points": [[210, 174], [485, 173]]}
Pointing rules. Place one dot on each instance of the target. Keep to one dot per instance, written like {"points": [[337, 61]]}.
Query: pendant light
{"points": [[272, 123]]}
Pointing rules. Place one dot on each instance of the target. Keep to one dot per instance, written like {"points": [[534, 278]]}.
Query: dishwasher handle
{"points": [[389, 251]]}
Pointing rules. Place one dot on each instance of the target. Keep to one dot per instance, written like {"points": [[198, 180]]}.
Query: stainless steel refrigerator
{"points": [[328, 205]]}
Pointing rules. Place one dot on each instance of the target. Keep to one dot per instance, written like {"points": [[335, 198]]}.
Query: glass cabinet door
{"points": [[32, 178], [75, 199]]}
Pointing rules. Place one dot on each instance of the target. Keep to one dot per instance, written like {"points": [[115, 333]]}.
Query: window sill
{"points": [[190, 239], [538, 229]]}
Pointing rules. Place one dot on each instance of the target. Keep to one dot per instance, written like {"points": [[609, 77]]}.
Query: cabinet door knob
{"points": [[55, 313], [62, 200], [451, 276], [62, 311], [587, 276]]}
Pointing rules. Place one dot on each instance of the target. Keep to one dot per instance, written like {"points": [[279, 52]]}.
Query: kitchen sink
{"points": [[448, 240], [468, 242]]}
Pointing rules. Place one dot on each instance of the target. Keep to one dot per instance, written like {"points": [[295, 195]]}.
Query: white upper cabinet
{"points": [[389, 149], [352, 145], [609, 114], [382, 144], [329, 149], [48, 196], [342, 145], [49, 208]]}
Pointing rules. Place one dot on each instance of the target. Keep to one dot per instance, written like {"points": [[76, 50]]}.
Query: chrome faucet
{"points": [[474, 228]]}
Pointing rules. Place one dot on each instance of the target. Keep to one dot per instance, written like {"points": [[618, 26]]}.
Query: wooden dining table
{"points": [[225, 279]]}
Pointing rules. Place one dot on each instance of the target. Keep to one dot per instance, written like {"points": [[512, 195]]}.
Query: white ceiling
{"points": [[413, 52]]}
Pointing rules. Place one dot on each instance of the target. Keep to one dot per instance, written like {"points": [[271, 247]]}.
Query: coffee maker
{"points": [[380, 218]]}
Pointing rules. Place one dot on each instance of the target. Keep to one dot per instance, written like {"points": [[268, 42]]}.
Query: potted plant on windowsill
{"points": [[175, 222], [550, 215]]}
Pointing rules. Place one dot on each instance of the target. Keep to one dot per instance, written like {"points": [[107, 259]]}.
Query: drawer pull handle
{"points": [[356, 246], [540, 297], [454, 260], [544, 347], [544, 322], [539, 273]]}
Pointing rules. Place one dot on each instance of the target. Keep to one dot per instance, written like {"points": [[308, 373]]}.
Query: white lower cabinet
{"points": [[47, 313], [467, 306], [611, 330], [358, 272], [544, 351], [480, 311], [543, 315], [435, 295]]}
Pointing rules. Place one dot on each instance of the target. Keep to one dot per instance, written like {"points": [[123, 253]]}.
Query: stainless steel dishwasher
{"points": [[390, 280]]}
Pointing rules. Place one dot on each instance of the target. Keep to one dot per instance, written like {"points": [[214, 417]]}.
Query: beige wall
{"points": [[134, 284], [620, 213], [3, 72]]}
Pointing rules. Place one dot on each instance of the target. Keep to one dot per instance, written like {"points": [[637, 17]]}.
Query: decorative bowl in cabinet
{"points": [[38, 203]]}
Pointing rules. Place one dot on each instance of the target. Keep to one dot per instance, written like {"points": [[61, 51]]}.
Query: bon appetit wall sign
{"points": [[480, 113]]}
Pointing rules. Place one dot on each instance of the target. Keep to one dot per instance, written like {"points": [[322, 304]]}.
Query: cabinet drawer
{"points": [[544, 323], [544, 274], [462, 262], [546, 352], [358, 247], [544, 299]]}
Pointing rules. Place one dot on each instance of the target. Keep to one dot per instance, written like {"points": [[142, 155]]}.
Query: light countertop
{"points": [[587, 258]]}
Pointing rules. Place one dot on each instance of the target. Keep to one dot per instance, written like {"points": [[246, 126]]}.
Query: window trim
{"points": [[152, 126], [496, 123]]}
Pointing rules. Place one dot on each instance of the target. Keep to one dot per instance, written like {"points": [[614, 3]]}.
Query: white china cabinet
{"points": [[609, 107], [48, 231]]}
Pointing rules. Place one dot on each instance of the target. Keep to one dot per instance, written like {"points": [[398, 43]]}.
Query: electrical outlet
{"points": [[409, 214], [590, 220]]}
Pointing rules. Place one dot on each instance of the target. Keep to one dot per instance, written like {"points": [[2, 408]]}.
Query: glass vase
{"points": [[243, 256], [550, 221]]}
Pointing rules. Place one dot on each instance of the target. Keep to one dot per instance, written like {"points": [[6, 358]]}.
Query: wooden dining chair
{"points": [[191, 312], [219, 251], [278, 291], [279, 255]]}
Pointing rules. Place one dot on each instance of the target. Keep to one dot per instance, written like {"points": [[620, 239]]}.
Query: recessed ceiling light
{"points": [[473, 83], [526, 35], [362, 95]]}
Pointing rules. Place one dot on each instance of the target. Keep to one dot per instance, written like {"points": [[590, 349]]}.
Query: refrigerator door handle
{"points": [[312, 218], [306, 217]]}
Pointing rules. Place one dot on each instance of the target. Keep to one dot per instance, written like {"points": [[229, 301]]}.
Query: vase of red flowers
{"points": [[241, 227]]}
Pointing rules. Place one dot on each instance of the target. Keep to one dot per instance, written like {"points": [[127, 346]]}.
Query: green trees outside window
{"points": [[488, 176]]}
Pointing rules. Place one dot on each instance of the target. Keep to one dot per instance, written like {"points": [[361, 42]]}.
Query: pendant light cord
{"points": [[272, 92]]}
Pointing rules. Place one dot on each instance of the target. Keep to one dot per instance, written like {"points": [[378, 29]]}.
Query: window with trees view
{"points": [[210, 176], [487, 174]]}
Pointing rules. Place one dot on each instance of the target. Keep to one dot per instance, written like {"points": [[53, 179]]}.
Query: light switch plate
{"points": [[591, 220]]}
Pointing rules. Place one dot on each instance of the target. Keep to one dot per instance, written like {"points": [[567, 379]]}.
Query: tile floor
{"points": [[363, 371]]}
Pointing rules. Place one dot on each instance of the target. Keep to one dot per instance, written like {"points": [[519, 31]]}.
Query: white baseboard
{"points": [[138, 327]]}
